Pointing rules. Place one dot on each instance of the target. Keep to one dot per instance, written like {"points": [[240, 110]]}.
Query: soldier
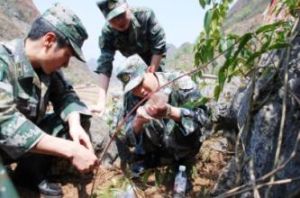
{"points": [[30, 78], [161, 130], [131, 31]]}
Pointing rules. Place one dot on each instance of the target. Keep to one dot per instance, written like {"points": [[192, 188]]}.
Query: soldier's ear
{"points": [[49, 39]]}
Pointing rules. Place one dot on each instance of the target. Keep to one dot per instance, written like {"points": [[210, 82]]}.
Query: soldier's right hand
{"points": [[98, 109], [83, 159]]}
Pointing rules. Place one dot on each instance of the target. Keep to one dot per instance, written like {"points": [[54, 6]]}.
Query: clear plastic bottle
{"points": [[180, 183]]}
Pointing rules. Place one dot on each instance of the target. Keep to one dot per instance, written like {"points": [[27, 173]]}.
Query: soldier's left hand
{"points": [[79, 135], [151, 69], [157, 105]]}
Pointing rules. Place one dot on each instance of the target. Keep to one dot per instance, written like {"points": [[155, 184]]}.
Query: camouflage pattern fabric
{"points": [[69, 25], [144, 37], [112, 8], [24, 96], [133, 72], [6, 187], [176, 139]]}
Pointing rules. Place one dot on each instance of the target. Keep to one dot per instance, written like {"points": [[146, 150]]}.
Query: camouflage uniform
{"points": [[25, 92], [144, 37], [6, 187], [166, 137]]}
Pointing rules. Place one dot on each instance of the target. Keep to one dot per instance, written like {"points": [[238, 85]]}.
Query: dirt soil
{"points": [[210, 160]]}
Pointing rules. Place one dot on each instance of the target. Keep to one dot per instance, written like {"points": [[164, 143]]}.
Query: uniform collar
{"points": [[163, 78], [24, 67], [134, 20]]}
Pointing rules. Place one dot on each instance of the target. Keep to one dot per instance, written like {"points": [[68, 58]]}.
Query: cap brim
{"points": [[77, 50], [117, 11], [133, 83]]}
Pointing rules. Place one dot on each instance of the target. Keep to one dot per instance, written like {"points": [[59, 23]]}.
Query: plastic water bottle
{"points": [[180, 183]]}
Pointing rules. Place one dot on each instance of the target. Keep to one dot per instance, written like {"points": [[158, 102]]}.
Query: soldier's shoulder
{"points": [[183, 83], [6, 57], [142, 12], [106, 29]]}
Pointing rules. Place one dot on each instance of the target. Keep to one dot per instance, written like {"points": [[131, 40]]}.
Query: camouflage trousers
{"points": [[6, 187], [38, 166]]}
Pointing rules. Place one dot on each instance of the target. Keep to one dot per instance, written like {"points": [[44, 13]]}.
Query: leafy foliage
{"points": [[240, 53]]}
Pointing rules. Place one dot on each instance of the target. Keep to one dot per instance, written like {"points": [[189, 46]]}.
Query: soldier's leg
{"points": [[7, 189], [33, 170]]}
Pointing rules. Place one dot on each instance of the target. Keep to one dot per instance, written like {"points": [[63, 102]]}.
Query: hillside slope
{"points": [[15, 19], [244, 16]]}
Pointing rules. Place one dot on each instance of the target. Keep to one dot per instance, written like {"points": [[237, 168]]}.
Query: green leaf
{"points": [[270, 27], [201, 101], [202, 3], [250, 60], [207, 20], [217, 92], [279, 46]]}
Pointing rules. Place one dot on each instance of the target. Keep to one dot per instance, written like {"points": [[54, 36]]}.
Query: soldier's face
{"points": [[56, 58], [122, 22], [148, 85]]}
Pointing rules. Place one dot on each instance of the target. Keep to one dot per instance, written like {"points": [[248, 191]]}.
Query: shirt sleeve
{"points": [[105, 61], [64, 98], [17, 134], [191, 119], [156, 35]]}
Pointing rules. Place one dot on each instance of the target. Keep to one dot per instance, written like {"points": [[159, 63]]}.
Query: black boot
{"points": [[31, 173]]}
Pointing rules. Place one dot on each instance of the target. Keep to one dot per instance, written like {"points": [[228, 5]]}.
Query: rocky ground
{"points": [[212, 157]]}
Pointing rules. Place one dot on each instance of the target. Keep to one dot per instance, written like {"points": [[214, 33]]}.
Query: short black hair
{"points": [[40, 27]]}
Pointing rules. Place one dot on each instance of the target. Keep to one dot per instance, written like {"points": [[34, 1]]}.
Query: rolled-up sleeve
{"points": [[17, 134], [105, 60], [156, 35], [63, 97], [192, 119]]}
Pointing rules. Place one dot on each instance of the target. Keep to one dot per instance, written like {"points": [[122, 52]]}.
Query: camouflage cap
{"points": [[132, 73], [112, 8], [69, 25]]}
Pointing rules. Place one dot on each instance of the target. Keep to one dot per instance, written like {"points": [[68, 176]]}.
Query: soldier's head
{"points": [[116, 13], [54, 38], [136, 79]]}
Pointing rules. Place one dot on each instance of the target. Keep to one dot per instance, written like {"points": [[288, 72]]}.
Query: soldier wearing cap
{"points": [[130, 31], [30, 78], [162, 130]]}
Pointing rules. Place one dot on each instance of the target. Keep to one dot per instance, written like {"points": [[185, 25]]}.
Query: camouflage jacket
{"points": [[7, 187], [180, 138], [144, 37], [24, 96]]}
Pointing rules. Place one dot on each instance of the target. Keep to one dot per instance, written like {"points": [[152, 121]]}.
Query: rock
{"points": [[260, 139], [100, 138]]}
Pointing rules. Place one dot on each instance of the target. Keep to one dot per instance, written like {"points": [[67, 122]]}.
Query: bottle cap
{"points": [[182, 168]]}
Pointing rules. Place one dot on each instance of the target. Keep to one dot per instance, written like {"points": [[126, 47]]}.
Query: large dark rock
{"points": [[257, 111]]}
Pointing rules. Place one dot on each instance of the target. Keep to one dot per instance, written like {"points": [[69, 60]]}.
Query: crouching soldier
{"points": [[30, 78], [161, 130]]}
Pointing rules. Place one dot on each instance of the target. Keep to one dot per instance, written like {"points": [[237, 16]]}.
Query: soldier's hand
{"points": [[83, 159], [141, 114], [140, 119], [157, 106], [98, 109], [151, 69], [79, 135]]}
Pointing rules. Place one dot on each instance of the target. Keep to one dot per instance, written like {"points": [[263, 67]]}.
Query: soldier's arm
{"points": [[63, 97], [191, 119], [18, 134], [104, 69], [158, 39], [82, 158]]}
